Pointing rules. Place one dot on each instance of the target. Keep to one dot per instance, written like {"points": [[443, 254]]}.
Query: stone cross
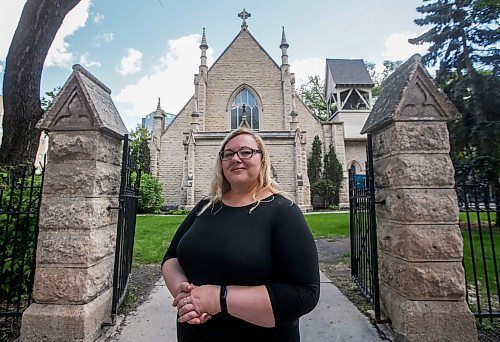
{"points": [[244, 15]]}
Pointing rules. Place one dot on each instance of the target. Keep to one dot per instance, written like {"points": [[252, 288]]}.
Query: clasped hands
{"points": [[196, 304]]}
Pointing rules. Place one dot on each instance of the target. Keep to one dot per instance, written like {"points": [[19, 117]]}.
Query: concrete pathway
{"points": [[335, 319]]}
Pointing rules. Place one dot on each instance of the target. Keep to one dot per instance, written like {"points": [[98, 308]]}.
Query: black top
{"points": [[270, 246]]}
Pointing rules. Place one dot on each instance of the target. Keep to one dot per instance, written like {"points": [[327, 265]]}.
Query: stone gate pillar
{"points": [[422, 283], [76, 242]]}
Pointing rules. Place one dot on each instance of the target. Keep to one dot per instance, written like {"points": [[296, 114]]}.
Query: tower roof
{"points": [[203, 44], [346, 72], [284, 43]]}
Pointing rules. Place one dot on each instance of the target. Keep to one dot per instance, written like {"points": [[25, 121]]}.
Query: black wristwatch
{"points": [[223, 296]]}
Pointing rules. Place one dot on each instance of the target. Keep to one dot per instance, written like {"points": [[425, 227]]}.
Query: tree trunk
{"points": [[39, 23], [473, 81]]}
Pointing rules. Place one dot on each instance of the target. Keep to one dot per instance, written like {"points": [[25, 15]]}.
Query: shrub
{"points": [[177, 212], [150, 199]]}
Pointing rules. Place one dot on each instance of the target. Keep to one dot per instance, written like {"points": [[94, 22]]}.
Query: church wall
{"points": [[282, 160], [308, 123], [356, 150], [171, 159], [244, 63], [205, 158]]}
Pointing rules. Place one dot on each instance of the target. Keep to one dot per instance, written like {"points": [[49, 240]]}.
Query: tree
{"points": [[379, 77], [48, 98], [140, 154], [312, 93], [332, 171], [464, 37], [314, 162], [38, 25], [463, 32], [325, 174]]}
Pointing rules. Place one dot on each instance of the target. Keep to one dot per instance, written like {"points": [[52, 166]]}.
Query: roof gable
{"points": [[240, 35]]}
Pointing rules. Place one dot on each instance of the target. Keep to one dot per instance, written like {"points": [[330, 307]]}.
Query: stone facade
{"points": [[182, 155], [422, 282], [76, 242]]}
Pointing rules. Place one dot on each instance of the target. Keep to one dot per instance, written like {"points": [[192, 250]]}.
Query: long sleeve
{"points": [[295, 261]]}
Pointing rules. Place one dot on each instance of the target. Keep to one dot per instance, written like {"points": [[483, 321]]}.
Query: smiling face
{"points": [[242, 172]]}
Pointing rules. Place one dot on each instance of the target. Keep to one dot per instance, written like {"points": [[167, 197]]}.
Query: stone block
{"points": [[411, 137], [48, 322], [419, 206], [423, 280], [428, 321], [77, 212], [421, 242], [414, 170], [73, 146], [72, 285], [75, 247], [85, 178]]}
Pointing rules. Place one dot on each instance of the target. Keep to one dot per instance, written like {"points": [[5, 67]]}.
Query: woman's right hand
{"points": [[187, 311], [183, 288]]}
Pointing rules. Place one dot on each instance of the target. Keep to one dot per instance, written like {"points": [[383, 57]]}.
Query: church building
{"points": [[245, 86]]}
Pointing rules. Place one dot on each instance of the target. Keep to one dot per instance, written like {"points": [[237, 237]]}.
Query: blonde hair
{"points": [[220, 184]]}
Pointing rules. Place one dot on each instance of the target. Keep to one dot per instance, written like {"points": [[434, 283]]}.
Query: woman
{"points": [[243, 265]]}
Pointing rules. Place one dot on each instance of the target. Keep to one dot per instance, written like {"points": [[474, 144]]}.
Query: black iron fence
{"points": [[20, 193], [363, 230], [129, 194], [478, 214]]}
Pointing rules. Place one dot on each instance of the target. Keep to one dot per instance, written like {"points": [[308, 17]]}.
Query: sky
{"points": [[149, 49]]}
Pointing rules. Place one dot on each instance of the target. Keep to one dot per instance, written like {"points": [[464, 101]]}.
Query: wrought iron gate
{"points": [[363, 229], [481, 233], [20, 198], [129, 195]]}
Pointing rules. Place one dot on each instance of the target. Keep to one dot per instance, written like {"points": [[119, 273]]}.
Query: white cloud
{"points": [[11, 12], [307, 67], [397, 47], [87, 62], [98, 18], [131, 63], [59, 54], [106, 37], [172, 81]]}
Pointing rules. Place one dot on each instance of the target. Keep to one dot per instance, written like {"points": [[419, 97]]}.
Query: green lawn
{"points": [[328, 225], [153, 233], [473, 216], [478, 257]]}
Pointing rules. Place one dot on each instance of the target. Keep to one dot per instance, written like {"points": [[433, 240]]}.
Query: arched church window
{"points": [[245, 97]]}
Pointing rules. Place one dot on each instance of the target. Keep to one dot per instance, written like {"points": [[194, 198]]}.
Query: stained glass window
{"points": [[245, 97]]}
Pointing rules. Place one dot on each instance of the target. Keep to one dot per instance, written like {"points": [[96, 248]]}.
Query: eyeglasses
{"points": [[243, 153]]}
